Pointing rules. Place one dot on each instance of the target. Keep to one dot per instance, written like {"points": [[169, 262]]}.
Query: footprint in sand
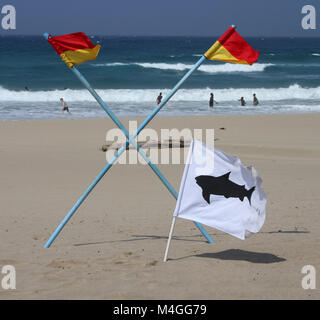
{"points": [[62, 264], [151, 264]]}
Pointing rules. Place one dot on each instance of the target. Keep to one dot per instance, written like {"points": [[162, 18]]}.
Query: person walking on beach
{"points": [[159, 98], [255, 100], [242, 101], [64, 106], [211, 100]]}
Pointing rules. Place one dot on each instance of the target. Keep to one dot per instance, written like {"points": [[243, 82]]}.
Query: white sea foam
{"points": [[316, 54], [209, 68], [114, 64], [293, 92], [230, 67]]}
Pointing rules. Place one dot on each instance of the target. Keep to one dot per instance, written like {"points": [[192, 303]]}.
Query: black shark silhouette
{"points": [[222, 186]]}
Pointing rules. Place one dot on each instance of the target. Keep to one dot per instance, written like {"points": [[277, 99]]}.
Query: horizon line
{"points": [[169, 36]]}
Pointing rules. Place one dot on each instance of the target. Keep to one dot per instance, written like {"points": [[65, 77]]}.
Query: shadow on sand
{"points": [[145, 237], [237, 254], [192, 238]]}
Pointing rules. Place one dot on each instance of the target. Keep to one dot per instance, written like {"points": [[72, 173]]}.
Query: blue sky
{"points": [[161, 17]]}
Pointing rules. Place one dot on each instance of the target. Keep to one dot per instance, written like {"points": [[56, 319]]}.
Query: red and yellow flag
{"points": [[231, 47], [74, 48]]}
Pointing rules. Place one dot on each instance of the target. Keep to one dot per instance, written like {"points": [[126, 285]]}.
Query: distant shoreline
{"points": [[163, 116]]}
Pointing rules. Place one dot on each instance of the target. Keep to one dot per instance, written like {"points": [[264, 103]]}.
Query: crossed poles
{"points": [[130, 139]]}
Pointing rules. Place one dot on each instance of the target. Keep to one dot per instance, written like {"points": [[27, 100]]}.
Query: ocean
{"points": [[129, 73]]}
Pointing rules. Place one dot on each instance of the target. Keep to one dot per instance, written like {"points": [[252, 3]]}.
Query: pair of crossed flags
{"points": [[77, 48], [130, 139]]}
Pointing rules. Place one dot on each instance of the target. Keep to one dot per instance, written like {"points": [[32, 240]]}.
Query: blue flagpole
{"points": [[169, 96], [83, 197], [131, 140]]}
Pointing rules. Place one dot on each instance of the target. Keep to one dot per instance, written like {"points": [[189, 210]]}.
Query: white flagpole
{"points": [[169, 239]]}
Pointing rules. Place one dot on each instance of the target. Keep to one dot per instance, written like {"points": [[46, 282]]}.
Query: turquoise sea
{"points": [[130, 72]]}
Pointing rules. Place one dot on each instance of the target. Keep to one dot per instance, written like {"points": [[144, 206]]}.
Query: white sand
{"points": [[113, 246]]}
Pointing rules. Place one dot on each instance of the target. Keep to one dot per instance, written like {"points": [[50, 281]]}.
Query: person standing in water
{"points": [[159, 98], [64, 106], [255, 100], [242, 101], [211, 100]]}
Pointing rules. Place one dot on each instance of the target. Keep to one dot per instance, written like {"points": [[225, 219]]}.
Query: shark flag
{"points": [[218, 191], [74, 48], [231, 47]]}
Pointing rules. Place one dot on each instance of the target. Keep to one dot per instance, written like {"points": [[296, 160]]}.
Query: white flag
{"points": [[218, 191]]}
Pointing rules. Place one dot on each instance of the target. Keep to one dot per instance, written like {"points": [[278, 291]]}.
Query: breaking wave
{"points": [[209, 68], [293, 92]]}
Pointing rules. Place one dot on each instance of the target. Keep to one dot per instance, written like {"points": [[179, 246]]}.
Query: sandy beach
{"points": [[113, 246]]}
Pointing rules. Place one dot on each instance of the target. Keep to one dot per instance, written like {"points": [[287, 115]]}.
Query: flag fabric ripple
{"points": [[234, 203], [74, 48], [231, 47]]}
